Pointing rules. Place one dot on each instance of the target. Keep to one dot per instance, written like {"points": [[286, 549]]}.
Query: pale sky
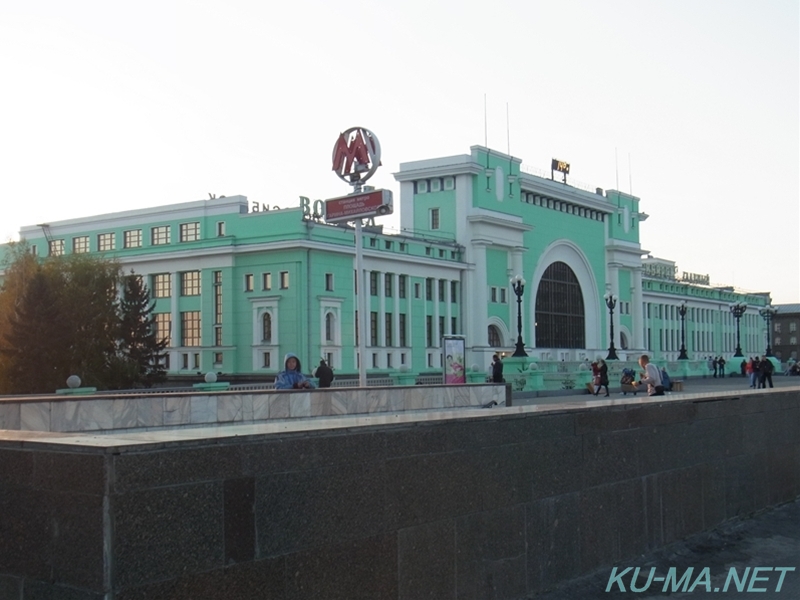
{"points": [[110, 106]]}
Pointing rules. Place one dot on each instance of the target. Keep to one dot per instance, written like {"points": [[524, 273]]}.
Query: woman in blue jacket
{"points": [[292, 378]]}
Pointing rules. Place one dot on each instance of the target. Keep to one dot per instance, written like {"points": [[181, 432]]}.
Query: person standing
{"points": [[650, 376], [292, 378], [715, 366], [497, 369], [324, 373], [721, 367], [766, 368]]}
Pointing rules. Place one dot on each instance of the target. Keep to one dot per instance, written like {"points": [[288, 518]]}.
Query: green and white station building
{"points": [[237, 286]]}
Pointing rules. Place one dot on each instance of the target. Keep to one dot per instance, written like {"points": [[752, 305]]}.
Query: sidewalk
{"points": [[693, 385]]}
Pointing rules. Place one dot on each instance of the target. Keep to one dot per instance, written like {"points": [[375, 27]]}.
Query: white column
{"points": [[638, 320], [476, 302]]}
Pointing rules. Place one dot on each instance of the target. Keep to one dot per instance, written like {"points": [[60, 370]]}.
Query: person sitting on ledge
{"points": [[292, 378]]}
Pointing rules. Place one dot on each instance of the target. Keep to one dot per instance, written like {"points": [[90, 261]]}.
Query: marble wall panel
{"points": [[204, 409], [124, 413], [260, 407], [231, 408], [377, 400], [64, 415], [279, 406], [150, 411], [321, 405], [35, 416], [339, 402], [94, 415], [300, 404], [177, 410], [9, 415]]}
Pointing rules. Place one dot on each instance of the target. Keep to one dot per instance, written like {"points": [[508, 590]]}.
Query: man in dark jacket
{"points": [[325, 374], [497, 369]]}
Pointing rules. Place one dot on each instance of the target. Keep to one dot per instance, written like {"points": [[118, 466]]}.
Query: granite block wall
{"points": [[501, 506]]}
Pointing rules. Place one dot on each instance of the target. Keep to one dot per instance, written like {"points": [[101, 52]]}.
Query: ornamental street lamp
{"points": [[738, 310], [611, 302], [682, 313], [518, 285], [767, 313]]}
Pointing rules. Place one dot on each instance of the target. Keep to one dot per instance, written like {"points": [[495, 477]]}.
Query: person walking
{"points": [[324, 373], [651, 376], [497, 369], [602, 374]]}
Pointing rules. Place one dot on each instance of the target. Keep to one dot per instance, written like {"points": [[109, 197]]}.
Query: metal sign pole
{"points": [[361, 299]]}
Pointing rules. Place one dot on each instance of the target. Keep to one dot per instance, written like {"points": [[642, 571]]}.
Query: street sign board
{"points": [[358, 206]]}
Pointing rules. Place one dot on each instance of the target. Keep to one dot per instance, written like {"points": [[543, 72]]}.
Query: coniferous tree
{"points": [[36, 345], [141, 351]]}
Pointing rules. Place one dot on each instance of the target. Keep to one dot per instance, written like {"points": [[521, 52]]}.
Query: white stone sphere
{"points": [[73, 381], [211, 377]]}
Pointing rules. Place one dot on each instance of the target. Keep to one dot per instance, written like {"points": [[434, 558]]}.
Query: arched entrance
{"points": [[560, 314]]}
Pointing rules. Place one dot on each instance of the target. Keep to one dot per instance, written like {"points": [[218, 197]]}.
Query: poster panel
{"points": [[454, 370]]}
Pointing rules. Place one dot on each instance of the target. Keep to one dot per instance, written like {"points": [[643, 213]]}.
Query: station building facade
{"points": [[237, 286]]}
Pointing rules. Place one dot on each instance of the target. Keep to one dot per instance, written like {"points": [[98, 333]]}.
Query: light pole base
{"points": [[612, 354], [683, 355], [520, 351]]}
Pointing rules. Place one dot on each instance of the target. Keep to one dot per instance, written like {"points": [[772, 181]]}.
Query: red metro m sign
{"points": [[356, 155]]}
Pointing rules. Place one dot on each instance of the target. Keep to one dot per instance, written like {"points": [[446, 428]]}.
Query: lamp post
{"points": [[518, 285], [682, 313], [611, 302], [767, 312], [738, 310]]}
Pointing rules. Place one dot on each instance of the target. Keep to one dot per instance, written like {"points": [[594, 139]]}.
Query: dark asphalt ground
{"points": [[766, 540]]}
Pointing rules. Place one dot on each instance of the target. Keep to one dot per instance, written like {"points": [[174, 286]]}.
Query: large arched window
{"points": [[266, 328], [560, 320], [494, 337]]}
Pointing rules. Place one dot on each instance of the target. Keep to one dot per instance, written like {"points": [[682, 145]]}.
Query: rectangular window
{"points": [[449, 183], [159, 235], [217, 359], [436, 185], [196, 360], [217, 335], [401, 286], [434, 218], [189, 232], [441, 331], [429, 289], [428, 251], [373, 283], [105, 241], [792, 327], [266, 360], [284, 280], [220, 228], [164, 327], [266, 281], [503, 295], [374, 360], [441, 290], [162, 285], [402, 330], [56, 247], [387, 285], [190, 328], [441, 253], [328, 282], [429, 331], [402, 246], [373, 328], [416, 290], [132, 238], [34, 250], [387, 244], [80, 245], [388, 328], [373, 242], [248, 282], [388, 361], [494, 294], [218, 301], [190, 283], [453, 291], [453, 325], [777, 328], [422, 186]]}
